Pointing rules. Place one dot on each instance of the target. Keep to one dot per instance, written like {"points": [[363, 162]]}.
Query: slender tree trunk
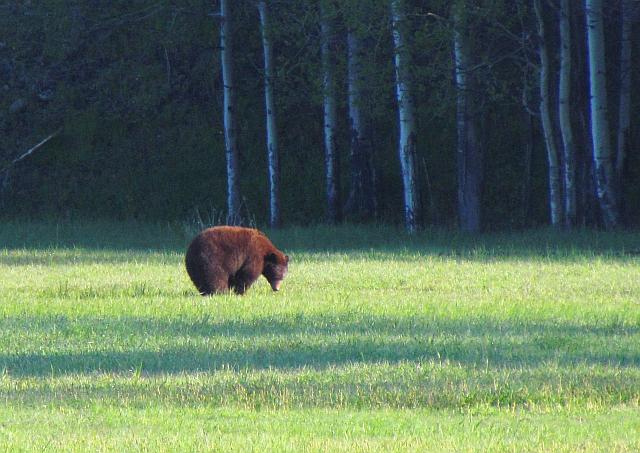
{"points": [[548, 130], [331, 160], [564, 112], [585, 191], [469, 154], [407, 142], [272, 133], [624, 104], [362, 199], [600, 133], [230, 133]]}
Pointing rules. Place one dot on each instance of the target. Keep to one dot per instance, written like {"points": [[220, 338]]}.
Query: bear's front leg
{"points": [[245, 277], [241, 282]]}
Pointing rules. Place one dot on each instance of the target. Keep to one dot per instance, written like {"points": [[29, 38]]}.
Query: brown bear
{"points": [[227, 257]]}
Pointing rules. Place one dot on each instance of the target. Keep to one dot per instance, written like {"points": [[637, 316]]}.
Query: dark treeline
{"points": [[469, 113]]}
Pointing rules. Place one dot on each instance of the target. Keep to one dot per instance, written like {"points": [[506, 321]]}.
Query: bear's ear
{"points": [[286, 259], [271, 258]]}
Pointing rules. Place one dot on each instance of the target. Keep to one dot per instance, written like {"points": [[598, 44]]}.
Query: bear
{"points": [[226, 258]]}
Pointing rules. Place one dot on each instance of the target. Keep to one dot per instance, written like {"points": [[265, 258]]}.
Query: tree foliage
{"points": [[136, 88]]}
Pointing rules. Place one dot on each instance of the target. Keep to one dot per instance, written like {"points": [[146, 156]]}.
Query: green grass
{"points": [[377, 341]]}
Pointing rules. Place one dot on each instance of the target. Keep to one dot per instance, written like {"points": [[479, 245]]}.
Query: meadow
{"points": [[377, 341]]}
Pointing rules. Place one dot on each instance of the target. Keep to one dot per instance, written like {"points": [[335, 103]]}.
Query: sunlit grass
{"points": [[184, 428], [519, 341]]}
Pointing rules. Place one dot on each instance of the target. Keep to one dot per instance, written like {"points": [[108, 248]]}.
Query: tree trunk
{"points": [[230, 133], [548, 129], [469, 153], [407, 142], [586, 198], [272, 133], [600, 133], [362, 199], [331, 160], [624, 105], [564, 112]]}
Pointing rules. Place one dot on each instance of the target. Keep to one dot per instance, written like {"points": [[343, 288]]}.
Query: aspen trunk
{"points": [[586, 198], [469, 154], [564, 112], [272, 133], [548, 129], [331, 161], [230, 132], [407, 141], [600, 133]]}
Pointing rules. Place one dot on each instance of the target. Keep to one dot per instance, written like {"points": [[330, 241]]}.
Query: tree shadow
{"points": [[619, 247], [48, 243], [76, 256], [312, 342]]}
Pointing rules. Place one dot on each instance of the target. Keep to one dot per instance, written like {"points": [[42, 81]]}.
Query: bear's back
{"points": [[230, 245]]}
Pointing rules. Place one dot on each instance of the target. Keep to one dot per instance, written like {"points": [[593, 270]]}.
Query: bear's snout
{"points": [[275, 285]]}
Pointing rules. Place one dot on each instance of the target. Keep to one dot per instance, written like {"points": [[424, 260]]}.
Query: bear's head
{"points": [[276, 266]]}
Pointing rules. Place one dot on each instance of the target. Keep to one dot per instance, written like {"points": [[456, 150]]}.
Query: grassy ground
{"points": [[377, 341]]}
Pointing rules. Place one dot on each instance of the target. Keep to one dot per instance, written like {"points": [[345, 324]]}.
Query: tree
{"points": [[361, 203], [564, 113], [407, 139], [468, 151], [272, 133], [600, 133], [586, 198], [230, 132], [123, 89], [548, 129], [331, 158]]}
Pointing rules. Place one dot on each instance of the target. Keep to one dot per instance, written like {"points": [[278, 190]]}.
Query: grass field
{"points": [[376, 342]]}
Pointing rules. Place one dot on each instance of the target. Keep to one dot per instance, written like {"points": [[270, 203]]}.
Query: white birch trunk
{"points": [[272, 133], [564, 111], [624, 105], [330, 118], [600, 132], [469, 158], [407, 142], [230, 133], [548, 130]]}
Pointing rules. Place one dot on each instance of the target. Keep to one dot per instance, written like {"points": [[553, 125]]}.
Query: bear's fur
{"points": [[227, 257]]}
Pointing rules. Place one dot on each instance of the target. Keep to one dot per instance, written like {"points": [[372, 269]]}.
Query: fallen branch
{"points": [[30, 151]]}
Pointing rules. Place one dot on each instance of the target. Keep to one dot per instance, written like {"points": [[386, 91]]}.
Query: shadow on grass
{"points": [[64, 257], [114, 236], [58, 244], [311, 342]]}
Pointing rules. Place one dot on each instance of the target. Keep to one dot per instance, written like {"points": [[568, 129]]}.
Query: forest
{"points": [[471, 114]]}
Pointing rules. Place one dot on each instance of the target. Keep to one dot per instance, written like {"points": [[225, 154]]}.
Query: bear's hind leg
{"points": [[203, 289], [217, 281], [198, 277]]}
